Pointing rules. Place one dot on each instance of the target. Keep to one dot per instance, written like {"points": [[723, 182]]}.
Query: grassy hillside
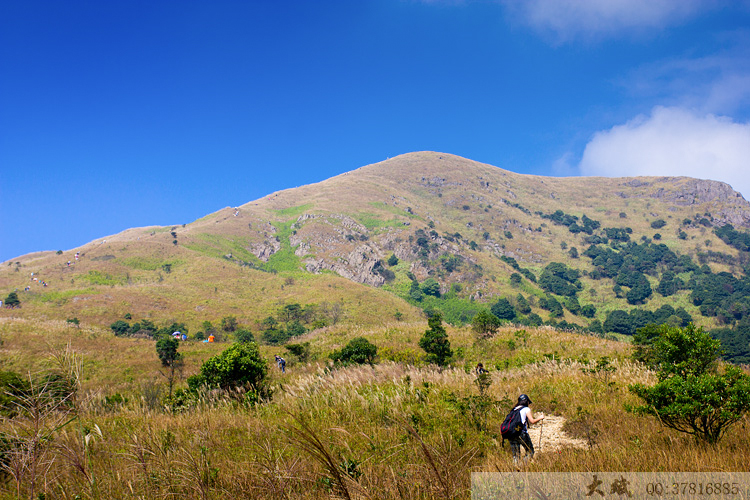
{"points": [[370, 239]]}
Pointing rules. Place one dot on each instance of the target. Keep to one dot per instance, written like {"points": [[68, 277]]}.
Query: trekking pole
{"points": [[541, 428]]}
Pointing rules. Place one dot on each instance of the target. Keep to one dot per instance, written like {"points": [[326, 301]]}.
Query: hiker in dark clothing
{"points": [[523, 439], [281, 362]]}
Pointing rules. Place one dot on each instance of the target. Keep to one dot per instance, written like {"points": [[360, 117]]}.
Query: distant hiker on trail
{"points": [[480, 369], [281, 362], [515, 428]]}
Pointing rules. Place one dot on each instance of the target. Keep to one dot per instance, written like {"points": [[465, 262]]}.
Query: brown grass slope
{"points": [[322, 242]]}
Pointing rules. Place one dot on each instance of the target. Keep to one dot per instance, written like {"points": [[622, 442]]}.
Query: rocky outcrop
{"points": [[264, 250], [726, 205], [730, 206], [696, 192], [356, 266]]}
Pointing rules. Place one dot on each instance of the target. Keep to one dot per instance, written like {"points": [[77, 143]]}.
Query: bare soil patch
{"points": [[553, 437]]}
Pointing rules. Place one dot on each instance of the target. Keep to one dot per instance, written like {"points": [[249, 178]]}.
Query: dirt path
{"points": [[553, 436]]}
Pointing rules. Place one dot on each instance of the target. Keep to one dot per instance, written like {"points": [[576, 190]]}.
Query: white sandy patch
{"points": [[553, 436]]}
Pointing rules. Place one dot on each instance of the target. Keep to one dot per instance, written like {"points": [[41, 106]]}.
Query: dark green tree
{"points": [[166, 349], [120, 327], [431, 287], [596, 327], [269, 323], [640, 289], [522, 304], [435, 341], [618, 321], [208, 328], [559, 279], [274, 337], [415, 292], [572, 305], [295, 328], [12, 300], [552, 305], [503, 309], [533, 319], [272, 332], [170, 329], [516, 279], [588, 311], [291, 312], [229, 323], [669, 284]]}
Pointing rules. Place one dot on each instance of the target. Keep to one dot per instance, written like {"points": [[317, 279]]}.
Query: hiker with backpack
{"points": [[281, 362], [515, 428]]}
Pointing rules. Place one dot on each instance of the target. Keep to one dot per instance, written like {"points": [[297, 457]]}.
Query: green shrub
{"points": [[120, 327], [274, 336], [485, 324], [588, 311], [243, 335], [431, 287], [241, 365], [359, 350], [302, 351], [691, 395]]}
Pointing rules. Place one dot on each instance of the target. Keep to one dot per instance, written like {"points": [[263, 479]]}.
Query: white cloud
{"points": [[566, 19], [673, 142]]}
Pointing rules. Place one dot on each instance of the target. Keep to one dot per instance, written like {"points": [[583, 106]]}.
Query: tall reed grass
{"points": [[391, 430]]}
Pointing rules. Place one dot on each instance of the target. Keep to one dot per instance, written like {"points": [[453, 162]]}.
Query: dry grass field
{"points": [[392, 430]]}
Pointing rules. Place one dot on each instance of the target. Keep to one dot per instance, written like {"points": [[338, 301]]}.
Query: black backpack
{"points": [[512, 426]]}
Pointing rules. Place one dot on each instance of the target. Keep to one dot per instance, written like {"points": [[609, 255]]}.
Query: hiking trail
{"points": [[553, 436]]}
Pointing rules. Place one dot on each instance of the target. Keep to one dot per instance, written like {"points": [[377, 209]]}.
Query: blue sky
{"points": [[125, 114]]}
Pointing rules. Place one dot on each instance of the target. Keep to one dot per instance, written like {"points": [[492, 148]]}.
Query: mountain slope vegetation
{"points": [[413, 300], [418, 233]]}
